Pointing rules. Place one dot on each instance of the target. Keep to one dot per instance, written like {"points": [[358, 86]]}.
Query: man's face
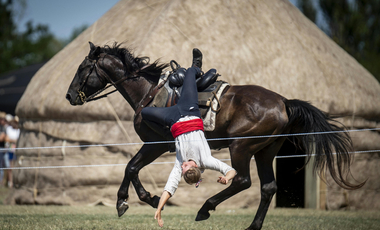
{"points": [[187, 165]]}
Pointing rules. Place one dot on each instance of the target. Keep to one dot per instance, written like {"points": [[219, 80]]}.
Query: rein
{"points": [[103, 77], [149, 98]]}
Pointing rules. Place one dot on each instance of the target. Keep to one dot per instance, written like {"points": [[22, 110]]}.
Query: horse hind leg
{"points": [[264, 162], [240, 160], [240, 182]]}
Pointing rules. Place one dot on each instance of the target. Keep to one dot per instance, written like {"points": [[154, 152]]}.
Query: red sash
{"points": [[186, 126]]}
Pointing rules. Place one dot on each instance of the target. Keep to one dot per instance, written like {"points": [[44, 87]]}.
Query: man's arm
{"points": [[211, 162], [174, 178], [164, 198], [169, 190], [229, 176]]}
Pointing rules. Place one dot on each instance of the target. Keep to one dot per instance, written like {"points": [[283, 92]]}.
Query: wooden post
{"points": [[273, 203], [311, 186]]}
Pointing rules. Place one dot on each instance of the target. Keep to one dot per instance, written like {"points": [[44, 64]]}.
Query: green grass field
{"points": [[141, 217]]}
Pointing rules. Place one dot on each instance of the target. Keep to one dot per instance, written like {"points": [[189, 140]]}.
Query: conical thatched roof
{"points": [[268, 43]]}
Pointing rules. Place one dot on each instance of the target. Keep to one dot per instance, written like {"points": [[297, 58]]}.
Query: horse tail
{"points": [[330, 143]]}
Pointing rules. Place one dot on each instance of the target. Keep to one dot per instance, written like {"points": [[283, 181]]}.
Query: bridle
{"points": [[104, 78]]}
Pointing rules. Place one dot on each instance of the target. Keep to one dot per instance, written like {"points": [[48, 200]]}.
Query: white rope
{"points": [[158, 163], [168, 142]]}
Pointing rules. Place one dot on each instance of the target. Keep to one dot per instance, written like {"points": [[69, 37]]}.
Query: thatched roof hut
{"points": [[268, 43]]}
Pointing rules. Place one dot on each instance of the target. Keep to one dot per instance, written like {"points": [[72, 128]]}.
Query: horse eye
{"points": [[83, 69], [83, 65]]}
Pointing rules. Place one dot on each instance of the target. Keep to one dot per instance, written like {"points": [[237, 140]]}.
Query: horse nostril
{"points": [[68, 97]]}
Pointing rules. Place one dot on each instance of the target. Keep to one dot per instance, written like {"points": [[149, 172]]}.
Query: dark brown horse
{"points": [[246, 110]]}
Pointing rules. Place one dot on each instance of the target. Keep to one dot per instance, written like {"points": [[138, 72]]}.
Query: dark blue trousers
{"points": [[187, 104]]}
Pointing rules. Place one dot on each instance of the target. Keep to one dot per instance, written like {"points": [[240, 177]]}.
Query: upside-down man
{"points": [[193, 153]]}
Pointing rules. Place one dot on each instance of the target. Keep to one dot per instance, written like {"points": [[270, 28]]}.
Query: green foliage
{"points": [[77, 31], [355, 26], [19, 49], [306, 6]]}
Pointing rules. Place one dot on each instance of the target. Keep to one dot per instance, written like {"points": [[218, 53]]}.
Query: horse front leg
{"points": [[146, 155]]}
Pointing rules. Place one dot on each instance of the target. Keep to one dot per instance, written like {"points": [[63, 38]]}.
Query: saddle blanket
{"points": [[210, 118]]}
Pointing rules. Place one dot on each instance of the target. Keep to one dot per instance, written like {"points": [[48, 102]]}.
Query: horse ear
{"points": [[92, 46], [94, 51]]}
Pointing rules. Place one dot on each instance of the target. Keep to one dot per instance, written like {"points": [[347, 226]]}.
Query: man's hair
{"points": [[192, 175]]}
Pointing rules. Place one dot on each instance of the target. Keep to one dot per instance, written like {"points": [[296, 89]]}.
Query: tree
{"points": [[355, 26], [75, 33], [308, 9], [19, 49]]}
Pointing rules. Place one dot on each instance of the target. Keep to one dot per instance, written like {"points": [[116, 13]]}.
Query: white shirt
{"points": [[193, 146], [12, 133]]}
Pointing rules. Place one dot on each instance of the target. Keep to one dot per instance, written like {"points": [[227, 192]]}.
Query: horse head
{"points": [[115, 66], [87, 80]]}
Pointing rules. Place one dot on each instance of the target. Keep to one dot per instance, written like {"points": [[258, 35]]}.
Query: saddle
{"points": [[207, 85]]}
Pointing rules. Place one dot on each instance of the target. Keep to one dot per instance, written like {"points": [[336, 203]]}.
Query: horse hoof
{"points": [[202, 216], [122, 208], [155, 202]]}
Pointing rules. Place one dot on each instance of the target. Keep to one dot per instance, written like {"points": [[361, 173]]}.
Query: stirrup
{"points": [[207, 79]]}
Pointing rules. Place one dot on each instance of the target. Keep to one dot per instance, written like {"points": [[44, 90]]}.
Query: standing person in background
{"points": [[12, 135], [2, 144]]}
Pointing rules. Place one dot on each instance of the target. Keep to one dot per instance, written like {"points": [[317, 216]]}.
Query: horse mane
{"points": [[151, 72]]}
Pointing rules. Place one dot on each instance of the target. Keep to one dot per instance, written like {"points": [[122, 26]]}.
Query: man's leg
{"points": [[159, 115], [189, 94]]}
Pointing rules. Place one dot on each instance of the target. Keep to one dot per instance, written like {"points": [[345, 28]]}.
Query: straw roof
{"points": [[268, 43]]}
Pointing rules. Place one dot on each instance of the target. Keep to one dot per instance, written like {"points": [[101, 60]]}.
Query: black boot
{"points": [[197, 58]]}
